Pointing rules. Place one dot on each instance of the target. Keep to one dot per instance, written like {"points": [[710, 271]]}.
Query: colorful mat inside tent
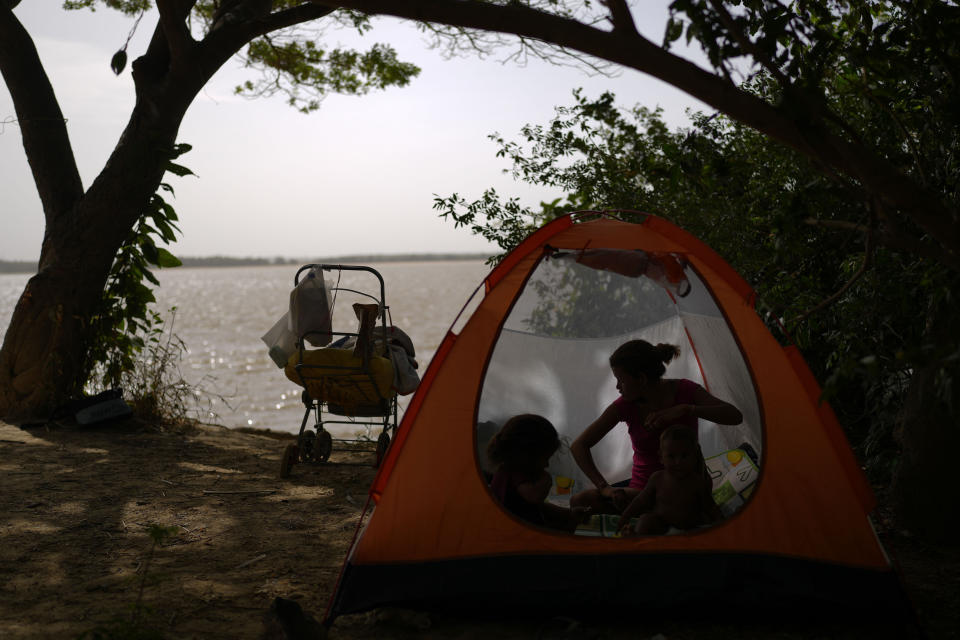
{"points": [[734, 474], [598, 525]]}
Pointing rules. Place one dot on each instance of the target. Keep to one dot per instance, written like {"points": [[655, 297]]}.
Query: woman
{"points": [[648, 404]]}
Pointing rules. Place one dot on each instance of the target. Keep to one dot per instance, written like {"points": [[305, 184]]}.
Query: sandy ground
{"points": [[76, 505]]}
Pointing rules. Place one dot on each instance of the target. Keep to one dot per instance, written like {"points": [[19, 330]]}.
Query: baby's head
{"points": [[524, 443], [679, 450]]}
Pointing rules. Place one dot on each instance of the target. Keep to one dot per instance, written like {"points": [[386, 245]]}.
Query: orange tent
{"points": [[536, 339]]}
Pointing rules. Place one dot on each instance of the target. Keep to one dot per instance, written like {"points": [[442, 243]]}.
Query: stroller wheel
{"points": [[383, 443], [288, 459], [323, 447], [308, 446]]}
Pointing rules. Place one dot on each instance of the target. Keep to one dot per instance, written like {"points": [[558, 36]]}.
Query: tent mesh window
{"points": [[552, 358]]}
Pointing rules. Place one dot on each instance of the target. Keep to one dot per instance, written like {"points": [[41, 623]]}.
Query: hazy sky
{"points": [[357, 176]]}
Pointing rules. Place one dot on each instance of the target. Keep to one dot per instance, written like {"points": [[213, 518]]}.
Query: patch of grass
{"points": [[155, 387], [140, 624]]}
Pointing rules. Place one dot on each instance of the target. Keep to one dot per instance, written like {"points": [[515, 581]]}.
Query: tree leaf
{"points": [[179, 169], [150, 251], [165, 259], [118, 61], [180, 149]]}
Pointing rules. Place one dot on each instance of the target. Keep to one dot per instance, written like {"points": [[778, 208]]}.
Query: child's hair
{"points": [[639, 357], [522, 439], [679, 433], [683, 433]]}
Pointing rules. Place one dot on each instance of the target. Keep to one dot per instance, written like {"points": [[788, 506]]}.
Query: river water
{"points": [[221, 313]]}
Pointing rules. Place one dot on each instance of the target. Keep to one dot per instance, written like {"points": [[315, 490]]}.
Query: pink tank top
{"points": [[646, 442]]}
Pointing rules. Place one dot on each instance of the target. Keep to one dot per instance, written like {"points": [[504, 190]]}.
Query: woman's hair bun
{"points": [[667, 352]]}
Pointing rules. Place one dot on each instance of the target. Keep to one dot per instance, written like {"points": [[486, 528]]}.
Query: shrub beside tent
{"points": [[537, 340]]}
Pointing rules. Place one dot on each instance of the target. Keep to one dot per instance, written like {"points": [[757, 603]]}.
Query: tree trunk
{"points": [[43, 357], [923, 484], [42, 361]]}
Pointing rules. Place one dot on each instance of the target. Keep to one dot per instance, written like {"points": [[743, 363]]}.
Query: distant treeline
{"points": [[398, 257], [16, 266], [225, 261], [29, 266]]}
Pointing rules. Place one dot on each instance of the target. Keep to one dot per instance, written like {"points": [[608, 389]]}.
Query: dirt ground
{"points": [[76, 554]]}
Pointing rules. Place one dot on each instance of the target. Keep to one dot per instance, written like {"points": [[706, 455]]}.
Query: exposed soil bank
{"points": [[76, 504]]}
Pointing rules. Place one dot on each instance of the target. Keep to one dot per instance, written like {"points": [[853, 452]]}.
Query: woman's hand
{"points": [[666, 417], [704, 407], [617, 496]]}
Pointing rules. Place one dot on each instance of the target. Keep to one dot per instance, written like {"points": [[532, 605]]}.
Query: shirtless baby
{"points": [[677, 496]]}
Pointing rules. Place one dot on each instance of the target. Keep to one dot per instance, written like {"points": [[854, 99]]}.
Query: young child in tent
{"points": [[520, 452], [679, 495], [648, 403]]}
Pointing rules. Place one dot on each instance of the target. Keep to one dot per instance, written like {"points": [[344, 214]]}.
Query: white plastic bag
{"points": [[280, 341], [311, 309]]}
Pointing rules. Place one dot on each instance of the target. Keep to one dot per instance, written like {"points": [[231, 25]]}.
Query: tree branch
{"points": [[864, 266], [890, 236], [621, 17], [811, 138], [173, 21], [632, 51], [843, 225], [170, 40], [223, 42], [746, 44], [42, 125], [289, 17]]}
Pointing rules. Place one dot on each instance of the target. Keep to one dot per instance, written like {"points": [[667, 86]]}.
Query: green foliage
{"points": [[570, 295], [129, 7], [858, 284], [881, 72], [302, 69], [157, 392], [503, 223], [290, 60], [765, 209], [159, 533], [125, 322], [154, 385]]}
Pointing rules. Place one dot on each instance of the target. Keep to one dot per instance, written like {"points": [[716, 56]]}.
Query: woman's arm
{"points": [[714, 409], [580, 448], [704, 406]]}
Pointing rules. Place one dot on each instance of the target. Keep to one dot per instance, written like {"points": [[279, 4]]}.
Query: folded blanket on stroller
{"points": [[337, 376], [405, 376]]}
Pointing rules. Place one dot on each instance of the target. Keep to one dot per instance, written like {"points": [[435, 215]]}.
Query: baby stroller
{"points": [[355, 377]]}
